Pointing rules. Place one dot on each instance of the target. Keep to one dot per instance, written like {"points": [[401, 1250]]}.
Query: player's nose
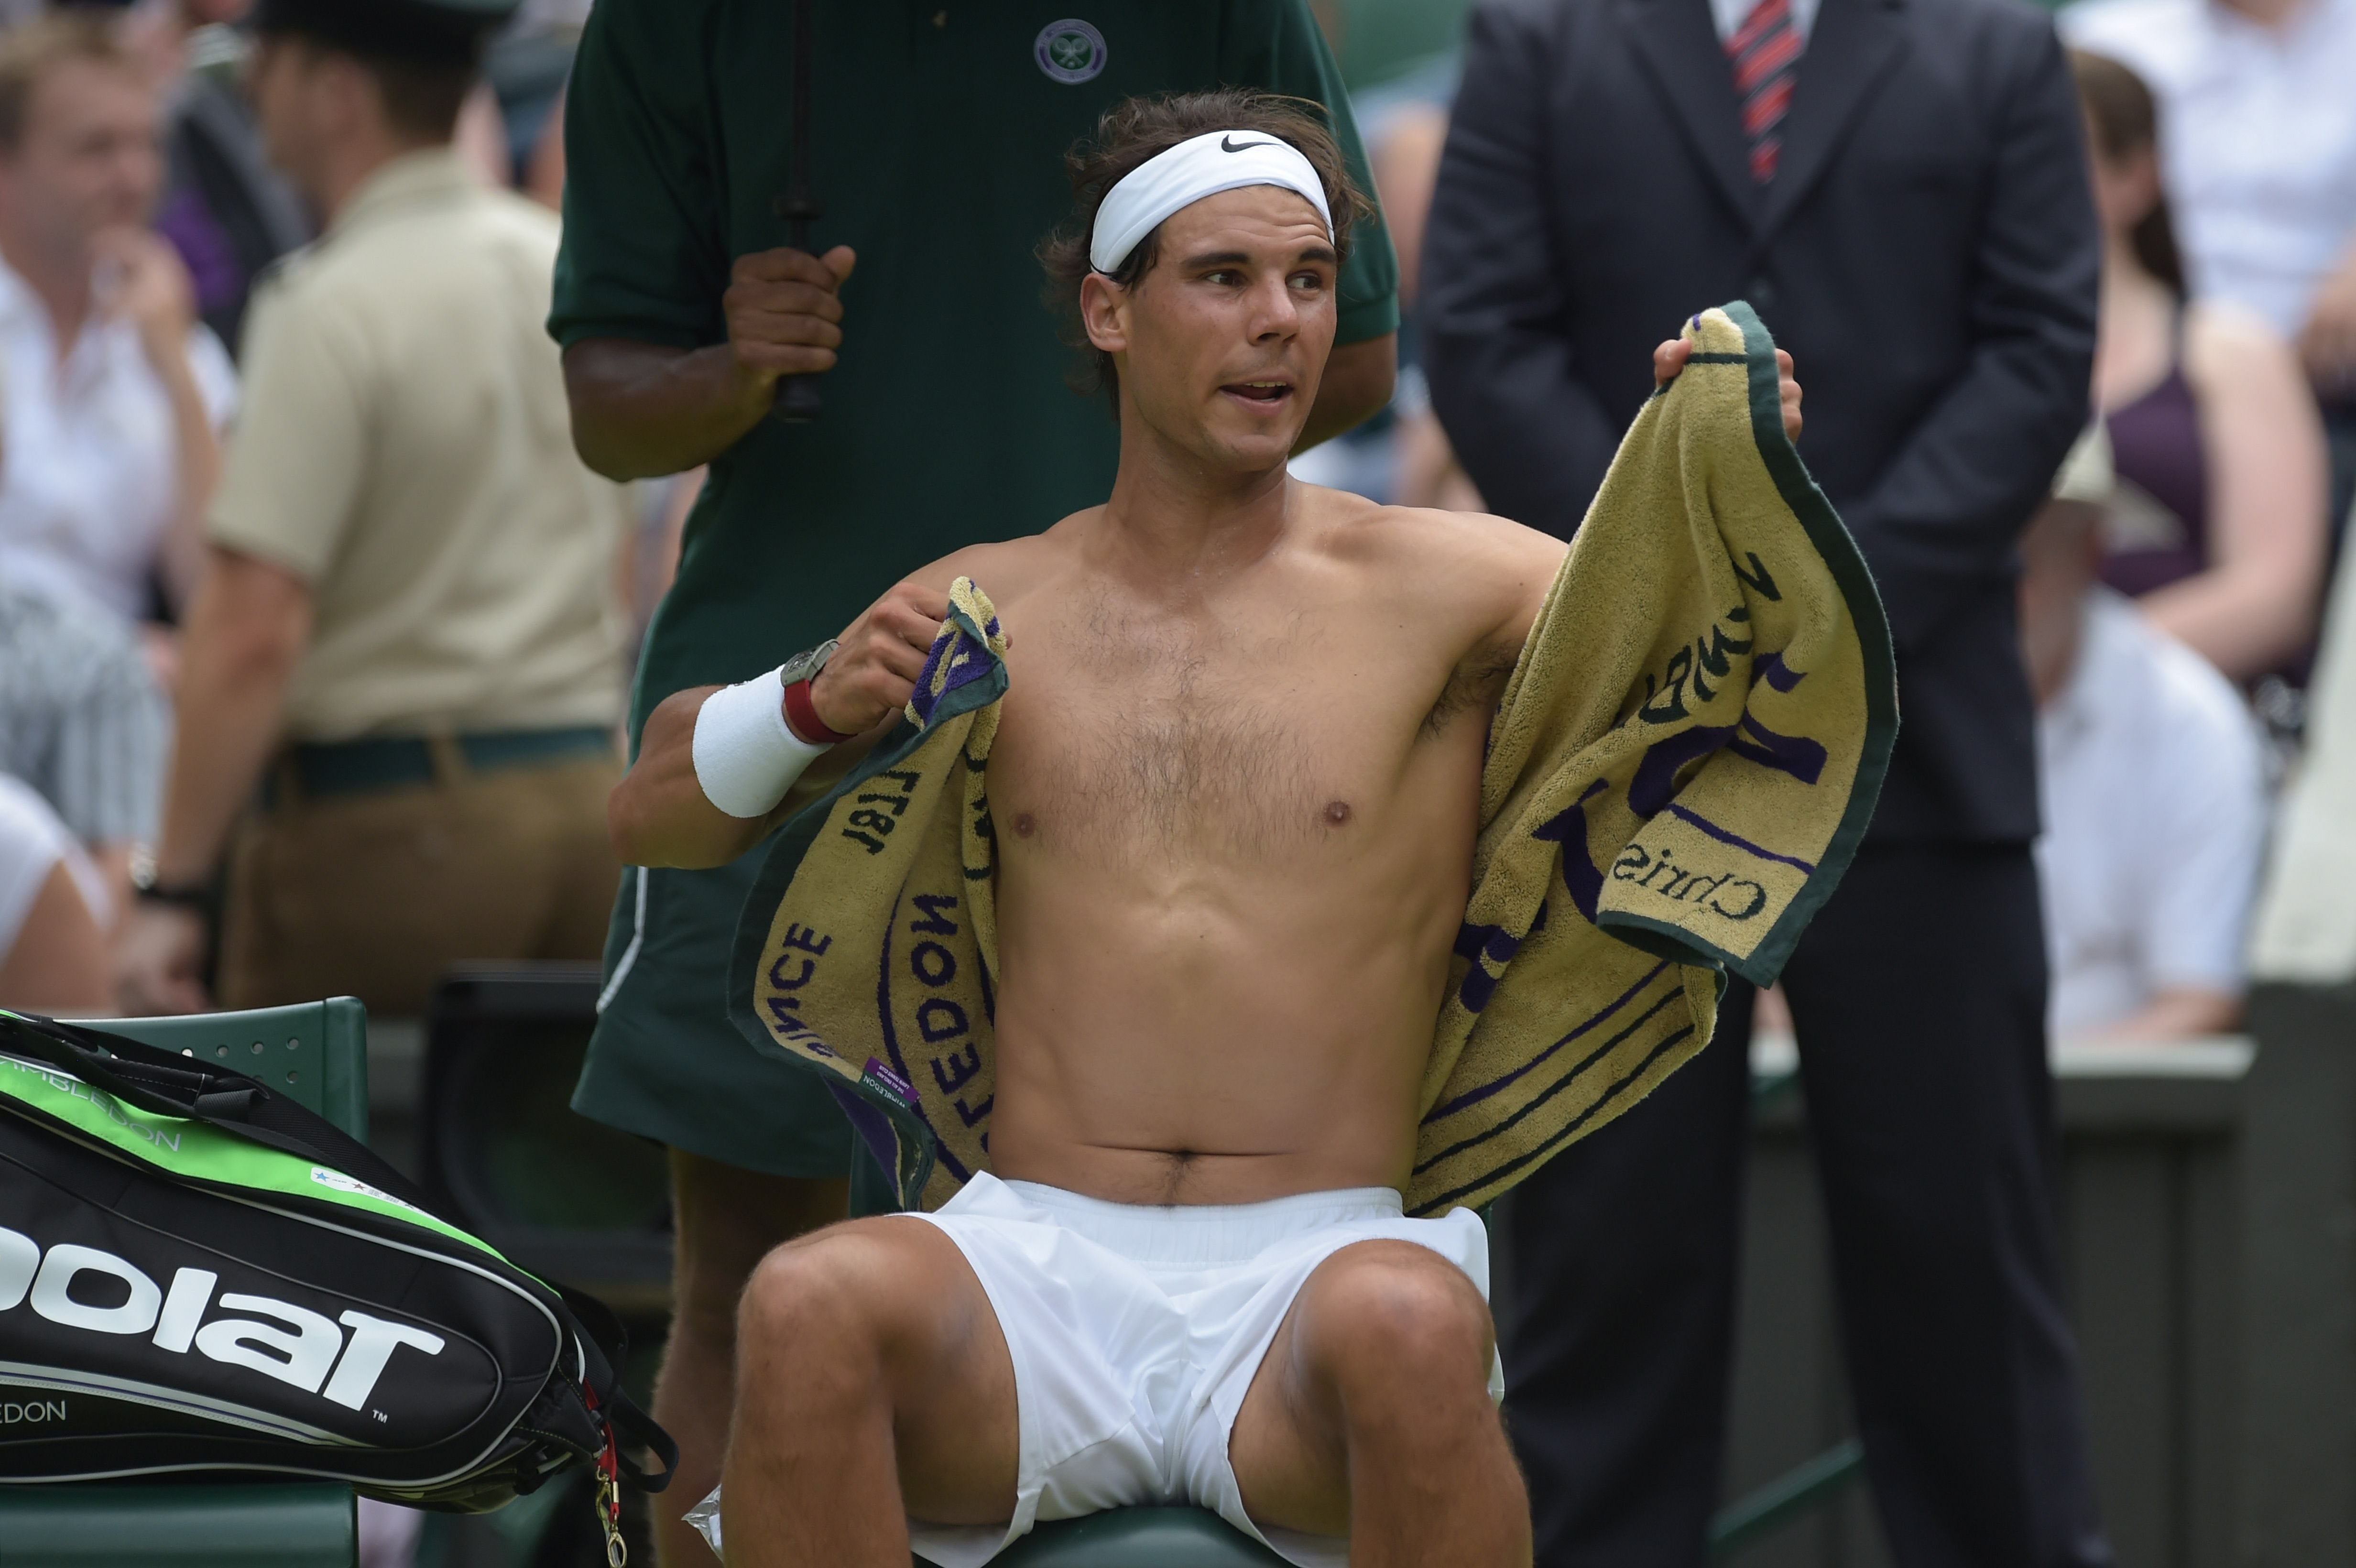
{"points": [[1275, 310]]}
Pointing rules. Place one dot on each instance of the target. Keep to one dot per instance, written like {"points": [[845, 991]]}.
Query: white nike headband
{"points": [[1204, 165]]}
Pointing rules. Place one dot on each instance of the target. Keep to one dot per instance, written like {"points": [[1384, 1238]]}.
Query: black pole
{"points": [[797, 400]]}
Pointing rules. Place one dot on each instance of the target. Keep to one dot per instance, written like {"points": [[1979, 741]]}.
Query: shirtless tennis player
{"points": [[1235, 783]]}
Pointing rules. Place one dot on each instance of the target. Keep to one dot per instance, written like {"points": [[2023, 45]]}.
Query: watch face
{"points": [[806, 664]]}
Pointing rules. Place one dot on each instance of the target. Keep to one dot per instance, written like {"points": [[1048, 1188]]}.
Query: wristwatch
{"points": [[798, 673], [804, 665], [197, 900]]}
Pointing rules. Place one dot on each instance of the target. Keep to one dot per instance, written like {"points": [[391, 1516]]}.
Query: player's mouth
{"points": [[1266, 392]]}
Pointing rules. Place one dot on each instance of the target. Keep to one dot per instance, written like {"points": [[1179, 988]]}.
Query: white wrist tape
{"points": [[746, 756]]}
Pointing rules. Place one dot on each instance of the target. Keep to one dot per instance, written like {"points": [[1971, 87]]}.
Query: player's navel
{"points": [[1337, 811], [1026, 825]]}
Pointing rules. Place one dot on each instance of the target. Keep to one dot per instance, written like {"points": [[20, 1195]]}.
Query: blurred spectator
{"points": [[526, 66], [2259, 157], [2216, 524], [52, 951], [82, 724], [1405, 157], [542, 178], [412, 578], [225, 210], [2152, 789], [480, 139], [114, 390], [1900, 192]]}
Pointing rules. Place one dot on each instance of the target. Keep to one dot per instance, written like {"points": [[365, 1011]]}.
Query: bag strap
{"points": [[634, 1428], [156, 1081]]}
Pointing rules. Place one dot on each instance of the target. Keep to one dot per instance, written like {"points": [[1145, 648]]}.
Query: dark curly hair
{"points": [[2126, 122], [1137, 128]]}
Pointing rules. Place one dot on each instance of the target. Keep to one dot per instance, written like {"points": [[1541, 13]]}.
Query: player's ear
{"points": [[1104, 313]]}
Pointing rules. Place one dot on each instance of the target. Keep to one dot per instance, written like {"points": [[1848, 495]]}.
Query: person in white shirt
{"points": [[111, 394], [2151, 786], [2259, 155]]}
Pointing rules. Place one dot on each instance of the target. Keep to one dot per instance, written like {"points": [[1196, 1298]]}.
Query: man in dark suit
{"points": [[1898, 187]]}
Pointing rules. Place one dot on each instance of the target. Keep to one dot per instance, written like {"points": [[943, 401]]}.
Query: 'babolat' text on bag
{"points": [[197, 1274]]}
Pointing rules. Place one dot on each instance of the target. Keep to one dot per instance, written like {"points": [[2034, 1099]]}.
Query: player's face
{"points": [[1222, 342]]}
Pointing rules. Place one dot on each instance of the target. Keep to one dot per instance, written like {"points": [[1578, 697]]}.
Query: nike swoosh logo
{"points": [[1227, 145]]}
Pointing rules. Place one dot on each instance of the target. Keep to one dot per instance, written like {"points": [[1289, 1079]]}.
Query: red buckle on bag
{"points": [[609, 1485]]}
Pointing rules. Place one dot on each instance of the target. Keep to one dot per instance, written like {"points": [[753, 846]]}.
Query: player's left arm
{"points": [[1522, 562]]}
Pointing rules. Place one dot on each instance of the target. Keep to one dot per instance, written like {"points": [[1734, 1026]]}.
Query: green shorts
{"points": [[666, 1063]]}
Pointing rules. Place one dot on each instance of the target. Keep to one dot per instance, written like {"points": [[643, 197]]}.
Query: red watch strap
{"points": [[801, 718]]}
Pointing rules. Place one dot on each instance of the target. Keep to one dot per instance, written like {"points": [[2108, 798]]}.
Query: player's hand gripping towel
{"points": [[1682, 763]]}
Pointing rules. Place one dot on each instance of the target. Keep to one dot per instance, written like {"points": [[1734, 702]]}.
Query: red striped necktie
{"points": [[1766, 54]]}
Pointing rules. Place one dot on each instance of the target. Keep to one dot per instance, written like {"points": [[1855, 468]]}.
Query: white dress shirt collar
{"points": [[1727, 16]]}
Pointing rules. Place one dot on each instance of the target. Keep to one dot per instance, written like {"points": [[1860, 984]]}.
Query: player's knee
{"points": [[814, 1300], [1403, 1318]]}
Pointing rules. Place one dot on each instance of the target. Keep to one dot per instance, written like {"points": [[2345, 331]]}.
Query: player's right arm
{"points": [[660, 815]]}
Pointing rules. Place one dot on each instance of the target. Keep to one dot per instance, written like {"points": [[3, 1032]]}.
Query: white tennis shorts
{"points": [[1136, 1331]]}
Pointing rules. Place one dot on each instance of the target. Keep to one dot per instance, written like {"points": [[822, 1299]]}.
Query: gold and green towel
{"points": [[1682, 766]]}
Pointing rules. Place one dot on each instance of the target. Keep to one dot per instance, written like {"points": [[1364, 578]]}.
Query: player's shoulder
{"points": [[1421, 539], [1005, 570]]}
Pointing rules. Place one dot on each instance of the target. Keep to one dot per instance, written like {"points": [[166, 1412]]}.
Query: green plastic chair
{"points": [[314, 1053], [1139, 1537]]}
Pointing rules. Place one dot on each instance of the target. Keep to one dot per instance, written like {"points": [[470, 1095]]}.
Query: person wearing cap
{"points": [[407, 639], [2151, 782], [937, 133]]}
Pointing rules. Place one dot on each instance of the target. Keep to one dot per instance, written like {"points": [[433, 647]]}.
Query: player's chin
{"points": [[1255, 450], [1257, 422]]}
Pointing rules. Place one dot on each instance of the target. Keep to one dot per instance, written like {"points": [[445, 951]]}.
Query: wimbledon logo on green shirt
{"points": [[1071, 51]]}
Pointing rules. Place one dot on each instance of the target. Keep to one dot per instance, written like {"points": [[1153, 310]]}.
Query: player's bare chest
{"points": [[1258, 740]]}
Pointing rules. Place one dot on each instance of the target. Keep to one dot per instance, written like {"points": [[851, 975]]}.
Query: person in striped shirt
{"points": [[83, 725]]}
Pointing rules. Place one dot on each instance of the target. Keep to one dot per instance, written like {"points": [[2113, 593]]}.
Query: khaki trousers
{"points": [[374, 894]]}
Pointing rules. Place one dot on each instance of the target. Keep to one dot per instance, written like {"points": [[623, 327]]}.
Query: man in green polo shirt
{"points": [[936, 134]]}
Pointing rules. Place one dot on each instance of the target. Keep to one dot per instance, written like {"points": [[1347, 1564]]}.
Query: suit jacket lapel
{"points": [[1679, 46], [1850, 49]]}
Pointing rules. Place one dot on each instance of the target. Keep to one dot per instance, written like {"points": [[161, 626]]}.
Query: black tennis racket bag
{"points": [[199, 1274]]}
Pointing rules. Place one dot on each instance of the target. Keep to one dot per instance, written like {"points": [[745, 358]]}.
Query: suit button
{"points": [[1761, 293]]}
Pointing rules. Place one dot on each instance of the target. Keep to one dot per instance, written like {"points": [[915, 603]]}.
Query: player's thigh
{"points": [[1388, 1344], [888, 1308]]}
